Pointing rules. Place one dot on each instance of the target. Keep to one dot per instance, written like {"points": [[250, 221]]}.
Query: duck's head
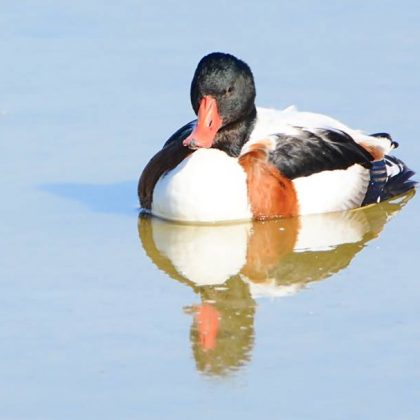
{"points": [[222, 96]]}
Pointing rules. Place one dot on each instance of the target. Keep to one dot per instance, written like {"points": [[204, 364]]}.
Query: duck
{"points": [[237, 162]]}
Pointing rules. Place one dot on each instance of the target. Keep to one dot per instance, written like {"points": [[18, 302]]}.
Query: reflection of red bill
{"points": [[208, 123], [207, 318]]}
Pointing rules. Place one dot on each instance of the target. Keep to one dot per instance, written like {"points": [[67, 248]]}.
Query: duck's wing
{"points": [[172, 153], [317, 171], [330, 170], [304, 152]]}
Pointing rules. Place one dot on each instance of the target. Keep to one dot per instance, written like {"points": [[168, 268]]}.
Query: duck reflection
{"points": [[229, 266]]}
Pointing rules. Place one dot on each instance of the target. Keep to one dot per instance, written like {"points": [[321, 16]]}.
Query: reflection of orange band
{"points": [[267, 245], [207, 319]]}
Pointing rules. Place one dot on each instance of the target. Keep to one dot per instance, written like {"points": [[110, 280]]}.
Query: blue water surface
{"points": [[96, 321]]}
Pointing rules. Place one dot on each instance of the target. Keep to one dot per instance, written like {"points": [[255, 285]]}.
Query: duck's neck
{"points": [[232, 137]]}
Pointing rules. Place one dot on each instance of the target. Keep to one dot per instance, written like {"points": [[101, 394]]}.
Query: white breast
{"points": [[208, 186]]}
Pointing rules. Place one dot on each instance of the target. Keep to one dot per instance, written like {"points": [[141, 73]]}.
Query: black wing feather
{"points": [[172, 153], [310, 152]]}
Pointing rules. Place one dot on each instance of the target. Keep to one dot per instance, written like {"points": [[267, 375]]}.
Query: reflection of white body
{"points": [[203, 254], [321, 232], [209, 255]]}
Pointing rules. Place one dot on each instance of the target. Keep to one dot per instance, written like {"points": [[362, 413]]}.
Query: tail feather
{"points": [[389, 177], [399, 178]]}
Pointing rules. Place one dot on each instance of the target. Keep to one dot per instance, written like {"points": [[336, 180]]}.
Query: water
{"points": [[107, 316]]}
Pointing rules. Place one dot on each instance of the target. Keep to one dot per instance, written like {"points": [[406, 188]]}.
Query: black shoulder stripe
{"points": [[312, 151]]}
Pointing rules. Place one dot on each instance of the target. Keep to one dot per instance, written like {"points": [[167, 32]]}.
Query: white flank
{"points": [[208, 186], [330, 191], [205, 255]]}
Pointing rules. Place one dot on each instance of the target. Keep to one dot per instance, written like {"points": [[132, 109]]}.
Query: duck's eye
{"points": [[229, 90]]}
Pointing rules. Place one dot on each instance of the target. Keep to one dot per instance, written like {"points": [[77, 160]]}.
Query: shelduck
{"points": [[238, 162]]}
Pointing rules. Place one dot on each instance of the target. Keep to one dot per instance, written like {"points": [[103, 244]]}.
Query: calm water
{"points": [[104, 315]]}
